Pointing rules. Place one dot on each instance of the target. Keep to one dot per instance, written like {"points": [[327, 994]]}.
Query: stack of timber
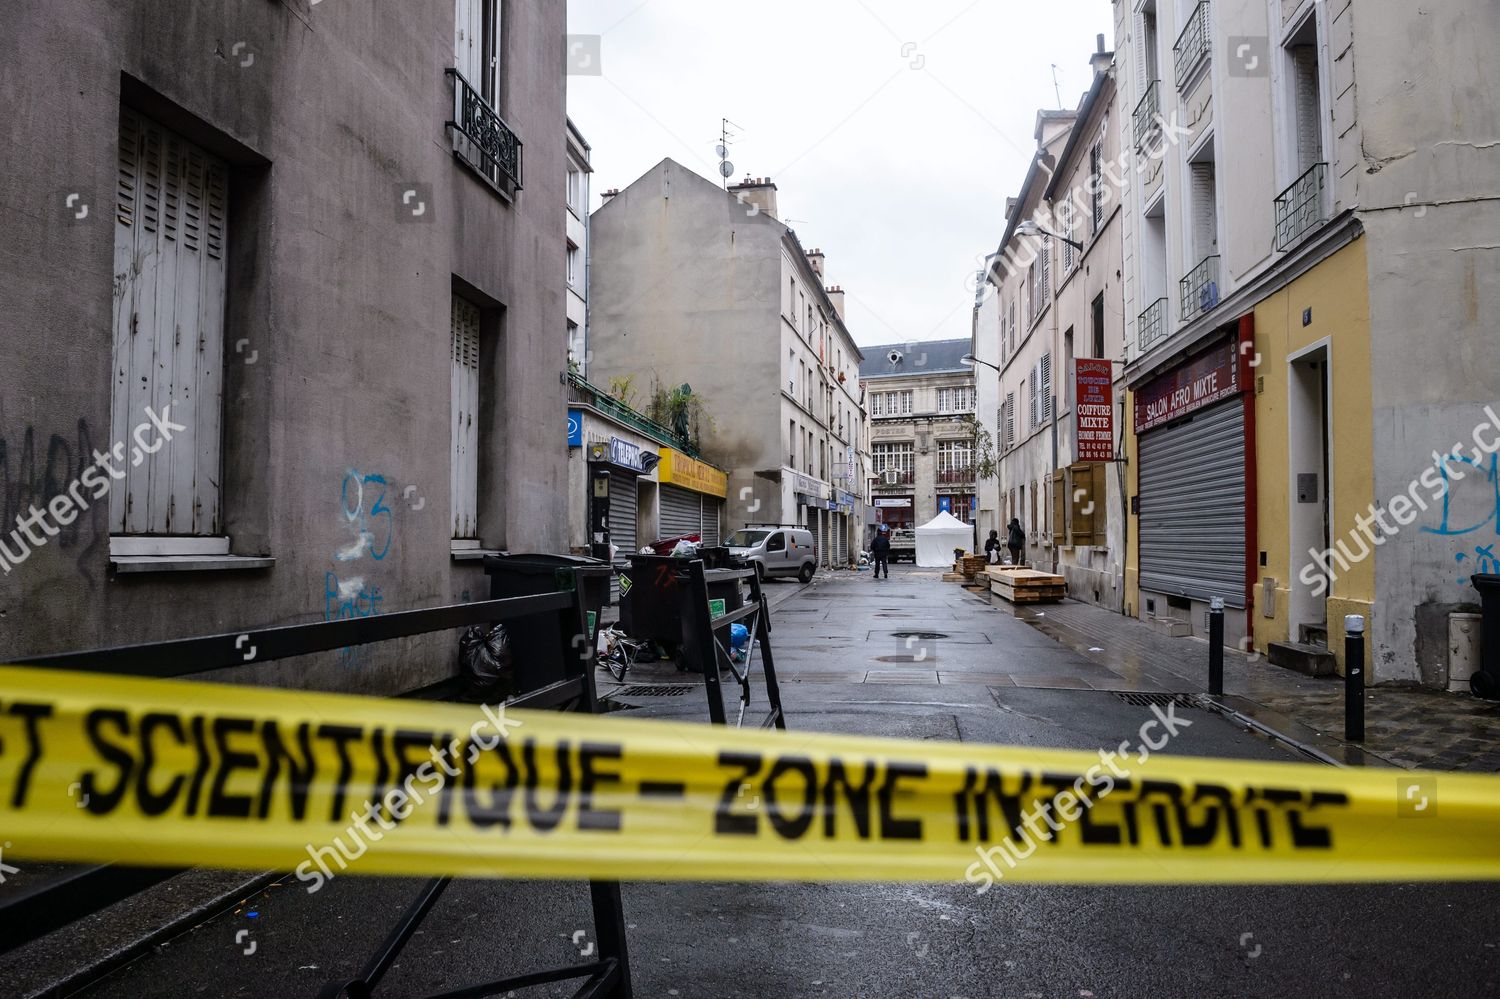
{"points": [[1026, 586], [972, 565]]}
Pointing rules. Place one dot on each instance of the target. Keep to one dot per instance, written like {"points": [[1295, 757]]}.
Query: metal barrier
{"points": [[24, 918], [700, 628]]}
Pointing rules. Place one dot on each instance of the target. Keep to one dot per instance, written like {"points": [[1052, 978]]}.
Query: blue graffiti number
{"points": [[378, 510]]}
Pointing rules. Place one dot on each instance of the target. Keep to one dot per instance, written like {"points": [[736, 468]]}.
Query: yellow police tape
{"points": [[158, 772]]}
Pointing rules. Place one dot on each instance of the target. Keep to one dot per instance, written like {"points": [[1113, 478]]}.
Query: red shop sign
{"points": [[1094, 409], [1201, 382]]}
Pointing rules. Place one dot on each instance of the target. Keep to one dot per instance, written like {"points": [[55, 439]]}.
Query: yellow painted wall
{"points": [[1337, 292]]}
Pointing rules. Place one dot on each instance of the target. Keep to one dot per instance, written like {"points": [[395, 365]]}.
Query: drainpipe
{"points": [[1051, 293]]}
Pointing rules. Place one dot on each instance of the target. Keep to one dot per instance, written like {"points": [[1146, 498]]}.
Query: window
{"points": [[1011, 332], [1084, 491], [1306, 97], [1032, 398], [791, 372], [1096, 186], [477, 46], [170, 243], [1044, 367], [776, 542], [1097, 321], [959, 399], [807, 453], [573, 265], [1009, 425], [1034, 290], [791, 445], [464, 467], [790, 309], [575, 188], [1065, 217], [801, 308], [1205, 206], [894, 456], [955, 461], [877, 404], [576, 347]]}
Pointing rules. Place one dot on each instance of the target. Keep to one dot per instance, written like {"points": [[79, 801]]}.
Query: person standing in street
{"points": [[992, 548], [1015, 540], [880, 550]]}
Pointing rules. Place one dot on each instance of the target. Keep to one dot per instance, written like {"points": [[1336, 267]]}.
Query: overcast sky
{"points": [[894, 130]]}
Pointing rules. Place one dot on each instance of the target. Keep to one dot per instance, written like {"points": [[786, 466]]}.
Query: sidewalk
{"points": [[1404, 726]]}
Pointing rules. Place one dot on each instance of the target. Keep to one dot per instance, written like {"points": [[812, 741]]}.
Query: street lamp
{"points": [[1030, 228], [971, 360]]}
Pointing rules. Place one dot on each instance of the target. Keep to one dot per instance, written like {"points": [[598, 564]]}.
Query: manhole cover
{"points": [[655, 690], [924, 635], [906, 659], [1157, 700]]}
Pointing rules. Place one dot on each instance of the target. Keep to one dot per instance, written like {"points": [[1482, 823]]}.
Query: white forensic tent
{"points": [[937, 538]]}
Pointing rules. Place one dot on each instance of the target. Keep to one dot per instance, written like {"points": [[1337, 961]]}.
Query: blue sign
{"points": [[945, 504], [575, 428], [973, 503], [626, 454]]}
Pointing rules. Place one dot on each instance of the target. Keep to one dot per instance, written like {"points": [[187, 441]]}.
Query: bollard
{"points": [[1354, 678], [1216, 646]]}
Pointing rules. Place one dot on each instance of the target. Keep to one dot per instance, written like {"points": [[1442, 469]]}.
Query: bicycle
{"points": [[618, 652]]}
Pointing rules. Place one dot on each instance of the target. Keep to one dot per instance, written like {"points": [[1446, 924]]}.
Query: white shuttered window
{"points": [[168, 345], [464, 464]]}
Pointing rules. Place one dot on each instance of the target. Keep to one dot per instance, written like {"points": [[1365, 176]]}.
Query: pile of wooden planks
{"points": [[972, 565], [1026, 586]]}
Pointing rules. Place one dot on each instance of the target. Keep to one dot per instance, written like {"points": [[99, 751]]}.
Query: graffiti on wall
{"points": [[1470, 507], [31, 476], [367, 529]]}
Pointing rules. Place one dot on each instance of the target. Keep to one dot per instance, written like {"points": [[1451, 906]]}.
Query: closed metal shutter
{"points": [[622, 512], [713, 509], [681, 512], [1193, 506], [623, 502], [840, 540]]}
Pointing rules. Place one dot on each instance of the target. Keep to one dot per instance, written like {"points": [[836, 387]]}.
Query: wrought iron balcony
{"points": [[482, 139], [1152, 325], [1193, 45], [1200, 289], [1148, 115], [1301, 207]]}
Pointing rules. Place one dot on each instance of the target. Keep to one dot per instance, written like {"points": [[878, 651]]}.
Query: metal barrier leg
{"points": [[699, 625]]}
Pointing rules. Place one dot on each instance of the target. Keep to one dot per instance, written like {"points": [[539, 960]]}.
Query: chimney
{"points": [[1101, 59], [609, 194], [815, 257], [836, 296], [757, 191]]}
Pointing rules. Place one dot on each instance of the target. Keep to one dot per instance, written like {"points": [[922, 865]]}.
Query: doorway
{"points": [[1309, 503]]}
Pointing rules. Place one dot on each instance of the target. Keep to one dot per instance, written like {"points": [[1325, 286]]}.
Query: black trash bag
{"points": [[485, 661]]}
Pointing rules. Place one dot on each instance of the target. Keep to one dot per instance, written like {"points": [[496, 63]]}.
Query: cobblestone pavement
{"points": [[1404, 726]]}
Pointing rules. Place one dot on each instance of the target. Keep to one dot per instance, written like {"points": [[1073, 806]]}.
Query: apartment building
{"points": [[1047, 343], [701, 286], [324, 382], [576, 229], [921, 401], [1309, 252]]}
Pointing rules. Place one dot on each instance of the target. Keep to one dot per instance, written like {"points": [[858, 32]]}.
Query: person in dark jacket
{"points": [[880, 550], [1015, 540], [992, 548]]}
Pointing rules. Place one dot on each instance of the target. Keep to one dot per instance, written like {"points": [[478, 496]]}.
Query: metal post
{"points": [[1216, 646], [1354, 678]]}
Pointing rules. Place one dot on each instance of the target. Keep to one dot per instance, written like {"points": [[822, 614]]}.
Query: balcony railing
{"points": [[581, 391], [1148, 116], [484, 141], [955, 476], [1301, 207], [1200, 289], [1193, 45], [1152, 325]]}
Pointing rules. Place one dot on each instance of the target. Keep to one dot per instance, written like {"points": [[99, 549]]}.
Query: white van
{"points": [[776, 551]]}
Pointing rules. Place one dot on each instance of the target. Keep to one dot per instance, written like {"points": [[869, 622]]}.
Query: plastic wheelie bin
{"points": [[538, 656]]}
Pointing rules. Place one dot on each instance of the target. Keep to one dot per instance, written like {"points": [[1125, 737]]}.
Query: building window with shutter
{"points": [[168, 344], [1045, 368], [1010, 420], [464, 466]]}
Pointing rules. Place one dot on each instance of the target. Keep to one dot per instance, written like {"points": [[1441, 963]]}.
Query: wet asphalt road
{"points": [[989, 678]]}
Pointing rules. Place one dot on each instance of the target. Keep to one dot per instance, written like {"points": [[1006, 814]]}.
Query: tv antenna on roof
{"points": [[1057, 89], [726, 136]]}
